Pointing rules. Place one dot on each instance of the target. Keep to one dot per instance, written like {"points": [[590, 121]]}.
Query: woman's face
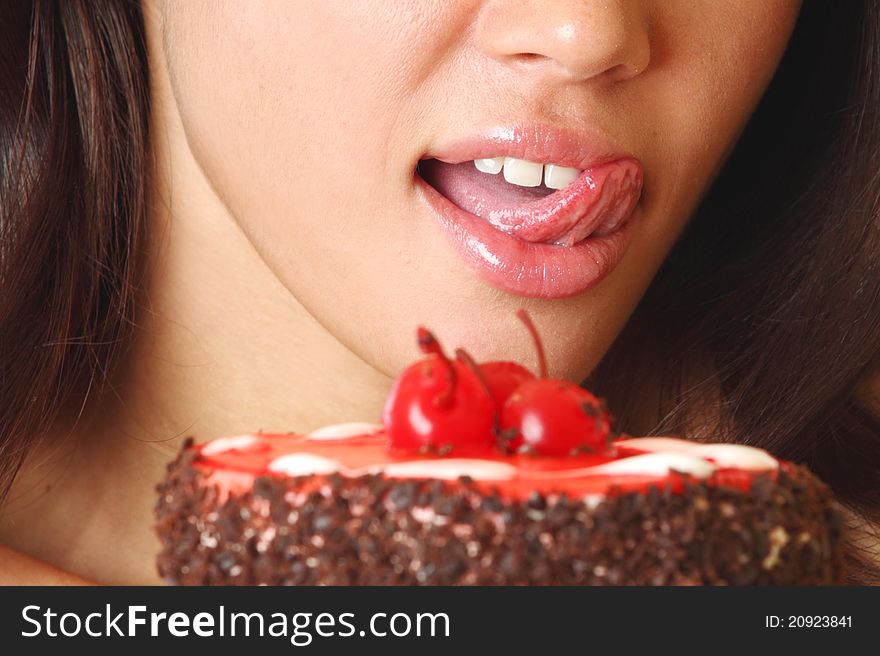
{"points": [[310, 120]]}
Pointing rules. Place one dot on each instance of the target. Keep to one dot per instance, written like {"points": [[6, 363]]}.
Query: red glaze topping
{"points": [[233, 463]]}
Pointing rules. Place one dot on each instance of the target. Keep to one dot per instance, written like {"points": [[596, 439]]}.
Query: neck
{"points": [[220, 347]]}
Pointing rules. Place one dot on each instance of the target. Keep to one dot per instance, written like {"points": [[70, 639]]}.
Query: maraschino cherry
{"points": [[553, 417], [440, 406], [503, 378]]}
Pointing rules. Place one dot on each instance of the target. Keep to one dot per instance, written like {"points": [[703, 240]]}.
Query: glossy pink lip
{"points": [[555, 246]]}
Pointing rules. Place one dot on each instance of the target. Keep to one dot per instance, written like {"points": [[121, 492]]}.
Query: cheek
{"points": [[307, 120], [288, 104], [712, 65]]}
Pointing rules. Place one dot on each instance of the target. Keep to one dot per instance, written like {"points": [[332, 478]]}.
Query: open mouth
{"points": [[539, 202], [534, 211]]}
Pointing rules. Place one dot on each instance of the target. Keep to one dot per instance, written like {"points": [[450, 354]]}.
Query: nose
{"points": [[573, 39]]}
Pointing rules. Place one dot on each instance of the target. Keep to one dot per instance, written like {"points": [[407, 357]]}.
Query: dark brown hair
{"points": [[74, 110], [767, 310]]}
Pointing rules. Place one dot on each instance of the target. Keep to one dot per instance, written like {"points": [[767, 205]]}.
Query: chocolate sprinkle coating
{"points": [[376, 531]]}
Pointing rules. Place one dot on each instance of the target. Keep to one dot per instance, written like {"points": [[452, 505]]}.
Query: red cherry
{"points": [[503, 378], [439, 405], [555, 418]]}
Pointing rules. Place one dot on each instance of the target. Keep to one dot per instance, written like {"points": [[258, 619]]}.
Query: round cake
{"points": [[334, 507], [485, 474]]}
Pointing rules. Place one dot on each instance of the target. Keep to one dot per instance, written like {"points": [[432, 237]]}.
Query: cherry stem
{"points": [[430, 345], [467, 358], [427, 342], [523, 316]]}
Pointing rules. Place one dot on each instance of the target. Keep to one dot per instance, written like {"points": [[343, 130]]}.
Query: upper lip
{"points": [[532, 142]]}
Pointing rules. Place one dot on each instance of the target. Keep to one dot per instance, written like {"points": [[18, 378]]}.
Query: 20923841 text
{"points": [[808, 621]]}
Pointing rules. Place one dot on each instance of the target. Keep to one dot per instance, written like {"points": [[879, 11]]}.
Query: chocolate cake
{"points": [[484, 474], [335, 508]]}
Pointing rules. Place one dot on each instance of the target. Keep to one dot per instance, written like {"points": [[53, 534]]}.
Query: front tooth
{"points": [[559, 177], [523, 173], [491, 165]]}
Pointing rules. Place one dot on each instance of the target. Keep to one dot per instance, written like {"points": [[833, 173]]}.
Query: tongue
{"points": [[596, 203], [476, 192]]}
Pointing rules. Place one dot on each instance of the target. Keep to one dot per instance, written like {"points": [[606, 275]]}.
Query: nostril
{"points": [[529, 59]]}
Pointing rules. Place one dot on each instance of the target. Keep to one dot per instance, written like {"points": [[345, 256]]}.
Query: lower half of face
{"points": [[445, 162]]}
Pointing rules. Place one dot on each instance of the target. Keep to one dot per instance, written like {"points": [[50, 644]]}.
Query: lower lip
{"points": [[526, 268]]}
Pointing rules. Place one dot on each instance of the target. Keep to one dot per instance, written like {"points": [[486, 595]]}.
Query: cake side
{"points": [[783, 528]]}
